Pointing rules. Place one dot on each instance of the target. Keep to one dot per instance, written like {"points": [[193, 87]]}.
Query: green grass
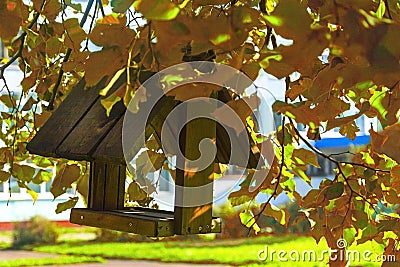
{"points": [[51, 261], [76, 230], [235, 252]]}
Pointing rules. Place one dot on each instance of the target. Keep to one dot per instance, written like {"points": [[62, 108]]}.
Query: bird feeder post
{"points": [[194, 188]]}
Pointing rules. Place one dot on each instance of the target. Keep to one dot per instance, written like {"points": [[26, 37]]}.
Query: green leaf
{"points": [[237, 199], [304, 157], [334, 191], [42, 176], [135, 192], [221, 38], [380, 12], [349, 234], [274, 20], [66, 175], [279, 214], [359, 218], [23, 172], [266, 61], [376, 103], [42, 162], [69, 204], [367, 234], [157, 9], [121, 6], [247, 219]]}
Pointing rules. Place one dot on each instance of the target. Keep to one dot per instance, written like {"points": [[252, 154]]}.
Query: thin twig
{"points": [[66, 58], [21, 38], [278, 177], [328, 157], [341, 153], [151, 46], [388, 9], [338, 164]]}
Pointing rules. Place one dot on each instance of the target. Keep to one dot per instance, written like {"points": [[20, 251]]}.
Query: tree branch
{"points": [[338, 164], [328, 157], [66, 58], [21, 38], [278, 177]]}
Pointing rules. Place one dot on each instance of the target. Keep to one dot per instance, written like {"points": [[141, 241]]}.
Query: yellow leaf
{"points": [[4, 60], [33, 195], [109, 102], [105, 90], [157, 9]]}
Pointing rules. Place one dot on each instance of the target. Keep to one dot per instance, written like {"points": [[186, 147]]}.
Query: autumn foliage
{"points": [[54, 49]]}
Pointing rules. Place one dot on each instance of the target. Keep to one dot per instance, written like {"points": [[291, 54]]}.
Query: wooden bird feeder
{"points": [[80, 130]]}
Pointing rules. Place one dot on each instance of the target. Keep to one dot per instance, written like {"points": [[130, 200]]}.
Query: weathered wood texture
{"points": [[107, 185], [79, 124], [141, 221], [194, 190]]}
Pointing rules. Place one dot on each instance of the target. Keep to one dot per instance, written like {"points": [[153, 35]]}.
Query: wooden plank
{"points": [[90, 131], [107, 185], [110, 148], [69, 114], [193, 190], [142, 221], [121, 186], [114, 187], [155, 227], [98, 170], [64, 119]]}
